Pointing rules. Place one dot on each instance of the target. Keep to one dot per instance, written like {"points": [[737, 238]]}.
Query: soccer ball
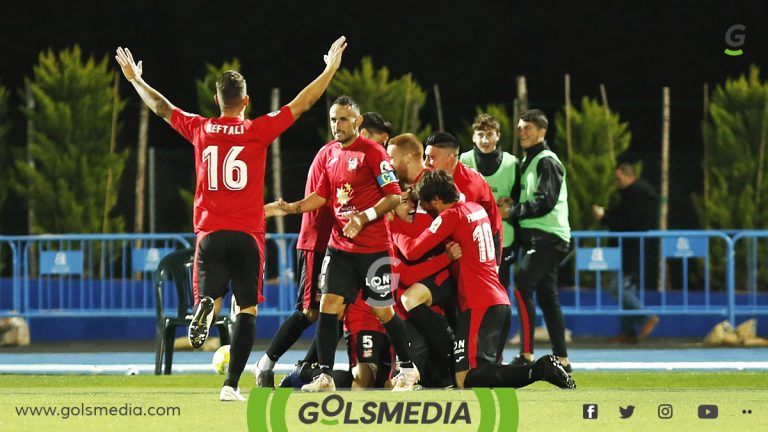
{"points": [[220, 361]]}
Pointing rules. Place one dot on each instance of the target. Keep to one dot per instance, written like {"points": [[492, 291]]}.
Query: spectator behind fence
{"points": [[637, 210]]}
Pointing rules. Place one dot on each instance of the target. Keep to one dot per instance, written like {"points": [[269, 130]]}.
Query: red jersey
{"points": [[316, 225], [467, 224], [355, 179], [230, 155], [473, 186]]}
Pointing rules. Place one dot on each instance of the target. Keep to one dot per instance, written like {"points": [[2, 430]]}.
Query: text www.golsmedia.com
{"points": [[83, 410]]}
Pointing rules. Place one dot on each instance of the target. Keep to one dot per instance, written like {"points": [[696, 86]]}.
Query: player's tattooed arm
{"points": [[132, 72], [309, 203]]}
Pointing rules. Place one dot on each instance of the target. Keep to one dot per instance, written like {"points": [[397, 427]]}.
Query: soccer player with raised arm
{"points": [[360, 186], [484, 307], [230, 155]]}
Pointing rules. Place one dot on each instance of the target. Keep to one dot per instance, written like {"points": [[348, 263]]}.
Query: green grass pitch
{"points": [[542, 407]]}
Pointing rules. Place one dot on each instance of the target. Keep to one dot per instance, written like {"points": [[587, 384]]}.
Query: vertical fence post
{"points": [[731, 257]]}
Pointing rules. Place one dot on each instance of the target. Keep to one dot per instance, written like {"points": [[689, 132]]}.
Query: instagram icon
{"points": [[665, 411]]}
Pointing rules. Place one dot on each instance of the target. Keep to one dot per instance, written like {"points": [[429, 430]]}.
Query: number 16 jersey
{"points": [[230, 157]]}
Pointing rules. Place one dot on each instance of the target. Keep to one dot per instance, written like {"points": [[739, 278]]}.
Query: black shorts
{"points": [[308, 265], [480, 336], [440, 285], [224, 256], [345, 273]]}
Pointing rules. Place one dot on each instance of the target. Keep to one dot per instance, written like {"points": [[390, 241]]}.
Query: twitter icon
{"points": [[627, 412]]}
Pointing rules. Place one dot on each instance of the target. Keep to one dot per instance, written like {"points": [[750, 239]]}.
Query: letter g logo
{"points": [[735, 37]]}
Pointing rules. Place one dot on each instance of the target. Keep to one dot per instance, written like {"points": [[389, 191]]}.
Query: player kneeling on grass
{"points": [[370, 353], [484, 307]]}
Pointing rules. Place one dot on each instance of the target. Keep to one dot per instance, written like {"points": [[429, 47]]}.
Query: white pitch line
{"points": [[284, 367]]}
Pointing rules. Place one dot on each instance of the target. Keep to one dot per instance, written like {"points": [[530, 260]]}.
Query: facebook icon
{"points": [[590, 411]]}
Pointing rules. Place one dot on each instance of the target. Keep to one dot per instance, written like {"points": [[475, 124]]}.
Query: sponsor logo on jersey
{"points": [[273, 113], [436, 224], [342, 194]]}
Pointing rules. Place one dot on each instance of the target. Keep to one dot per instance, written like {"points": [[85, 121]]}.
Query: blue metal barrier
{"points": [[756, 271], [599, 258], [110, 275]]}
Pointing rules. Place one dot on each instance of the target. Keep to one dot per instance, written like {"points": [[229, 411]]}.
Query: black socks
{"points": [[243, 337], [399, 340], [327, 337], [496, 375], [287, 335]]}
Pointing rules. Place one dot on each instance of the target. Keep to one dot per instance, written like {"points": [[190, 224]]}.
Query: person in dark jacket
{"points": [[541, 211], [637, 210]]}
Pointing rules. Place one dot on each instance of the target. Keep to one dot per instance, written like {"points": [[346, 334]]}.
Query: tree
{"points": [[499, 111], [735, 143], [589, 169], [70, 147], [206, 88], [5, 158], [399, 100], [735, 137]]}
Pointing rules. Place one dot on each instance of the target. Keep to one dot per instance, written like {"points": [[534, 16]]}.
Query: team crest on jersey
{"points": [[352, 164], [342, 194], [435, 224], [273, 113]]}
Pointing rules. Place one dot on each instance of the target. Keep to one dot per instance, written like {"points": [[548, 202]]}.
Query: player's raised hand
{"points": [[124, 58], [333, 58], [453, 250]]}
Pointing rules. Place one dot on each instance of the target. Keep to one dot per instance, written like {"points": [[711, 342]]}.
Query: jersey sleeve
{"points": [[410, 274], [442, 228], [185, 123], [271, 125], [323, 187], [380, 165]]}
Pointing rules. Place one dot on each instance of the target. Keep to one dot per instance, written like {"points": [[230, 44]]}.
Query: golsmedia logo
{"points": [[478, 409], [734, 38], [336, 410]]}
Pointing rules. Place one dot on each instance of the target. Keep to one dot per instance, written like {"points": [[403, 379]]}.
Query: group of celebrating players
{"points": [[399, 250]]}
